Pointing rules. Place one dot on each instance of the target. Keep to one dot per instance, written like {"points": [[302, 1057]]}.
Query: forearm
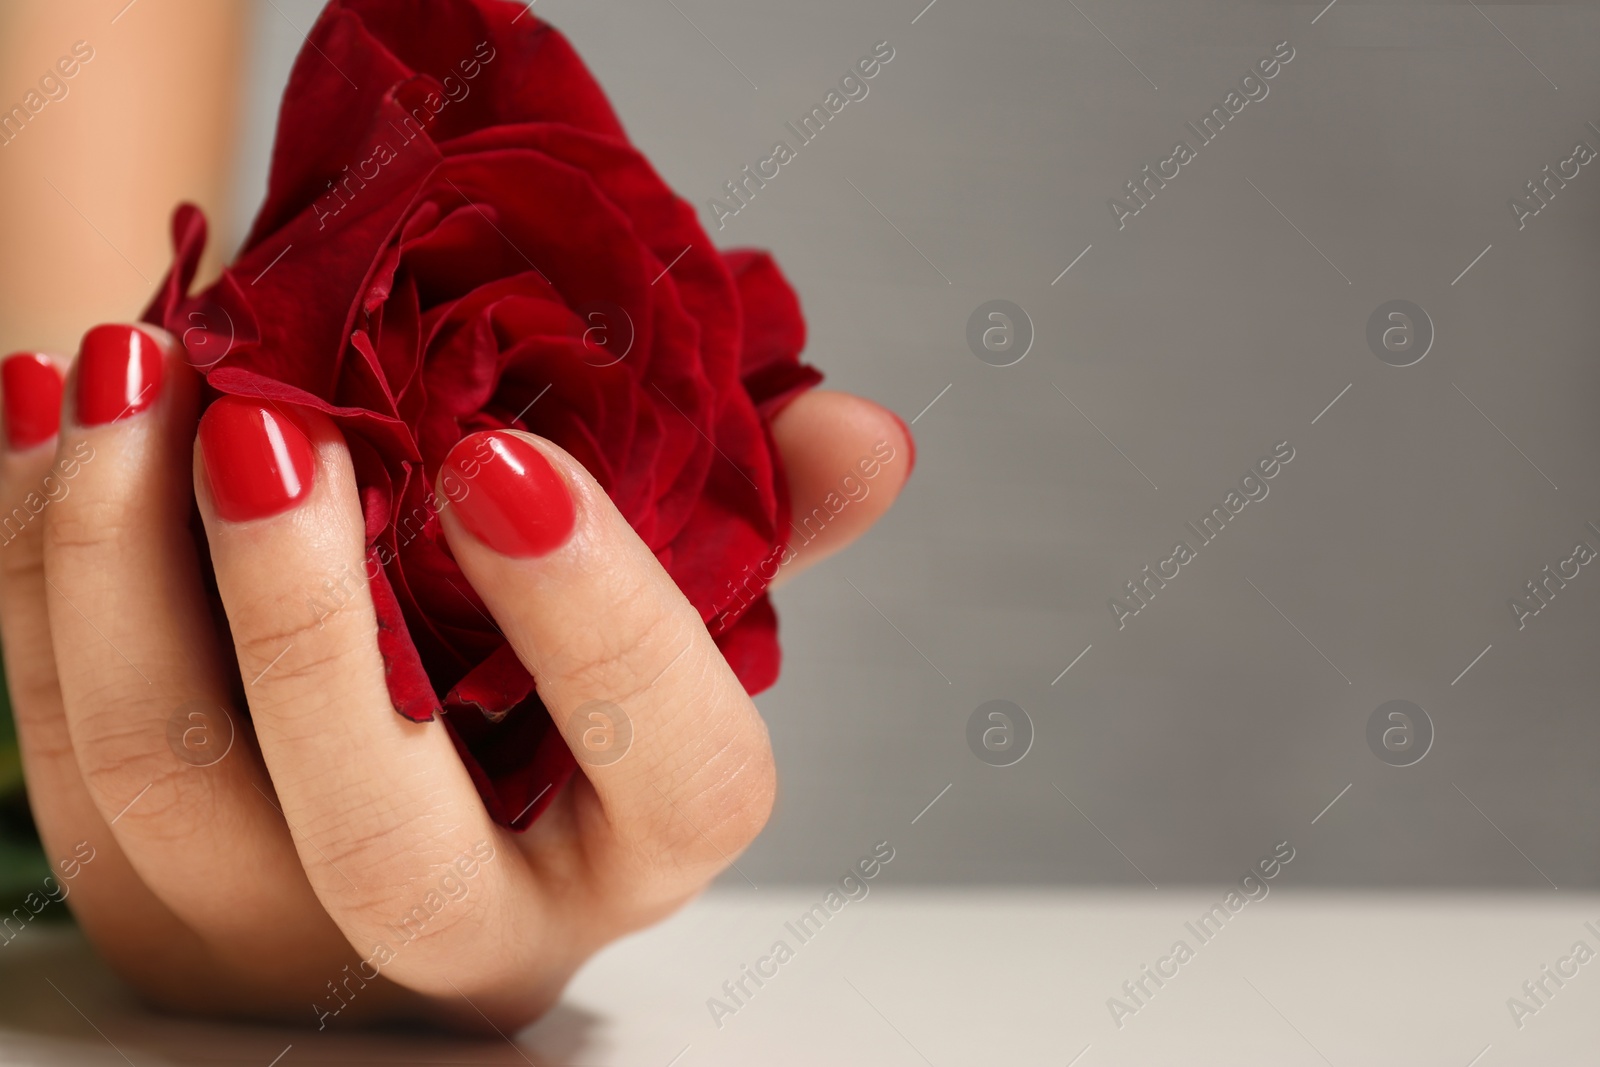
{"points": [[92, 162]]}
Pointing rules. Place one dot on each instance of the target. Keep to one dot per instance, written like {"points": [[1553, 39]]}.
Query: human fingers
{"points": [[141, 670], [678, 767], [386, 820], [32, 404], [90, 872], [847, 459]]}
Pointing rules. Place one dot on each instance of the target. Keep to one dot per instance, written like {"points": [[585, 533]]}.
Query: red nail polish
{"points": [[258, 462], [508, 495], [33, 399], [911, 444], [119, 374]]}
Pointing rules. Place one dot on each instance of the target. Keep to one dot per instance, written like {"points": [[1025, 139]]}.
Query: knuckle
{"points": [[297, 652], [120, 762], [619, 662], [758, 796], [34, 693], [170, 811], [111, 732], [412, 888], [298, 663], [367, 840], [21, 515], [738, 801], [49, 759], [715, 815], [83, 522], [119, 721], [21, 560]]}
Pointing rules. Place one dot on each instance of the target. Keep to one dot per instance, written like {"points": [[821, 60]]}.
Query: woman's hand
{"points": [[335, 862]]}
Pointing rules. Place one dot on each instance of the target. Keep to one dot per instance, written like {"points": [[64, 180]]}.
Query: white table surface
{"points": [[955, 977]]}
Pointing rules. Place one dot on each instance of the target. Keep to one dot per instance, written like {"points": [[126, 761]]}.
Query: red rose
{"points": [[458, 236]]}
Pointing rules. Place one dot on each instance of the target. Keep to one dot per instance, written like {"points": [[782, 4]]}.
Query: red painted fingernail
{"points": [[911, 445], [258, 463], [508, 495], [33, 399], [119, 374]]}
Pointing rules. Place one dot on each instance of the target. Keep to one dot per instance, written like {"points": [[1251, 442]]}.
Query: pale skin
{"points": [[88, 185], [244, 888]]}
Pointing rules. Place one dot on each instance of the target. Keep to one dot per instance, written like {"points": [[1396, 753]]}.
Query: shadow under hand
{"points": [[59, 1004]]}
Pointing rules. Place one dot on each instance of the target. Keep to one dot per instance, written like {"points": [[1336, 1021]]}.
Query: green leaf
{"points": [[23, 866]]}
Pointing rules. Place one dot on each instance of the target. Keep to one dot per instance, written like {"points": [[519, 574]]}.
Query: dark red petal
{"points": [[421, 278], [188, 245], [492, 688], [526, 70], [359, 54], [339, 83], [409, 685], [751, 647], [517, 758], [363, 383], [388, 434], [774, 333]]}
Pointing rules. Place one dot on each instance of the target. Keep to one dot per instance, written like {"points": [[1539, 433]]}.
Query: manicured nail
{"points": [[258, 463], [119, 374], [911, 444], [508, 495], [33, 399]]}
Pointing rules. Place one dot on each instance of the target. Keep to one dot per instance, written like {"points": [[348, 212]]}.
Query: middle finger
{"points": [[387, 820]]}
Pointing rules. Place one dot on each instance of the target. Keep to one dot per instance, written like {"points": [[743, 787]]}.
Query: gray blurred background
{"points": [[1220, 321]]}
